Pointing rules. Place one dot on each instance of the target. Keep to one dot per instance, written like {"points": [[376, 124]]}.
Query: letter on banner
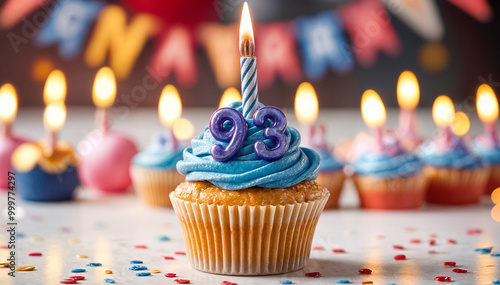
{"points": [[68, 25], [221, 45], [323, 45], [479, 9], [123, 42], [277, 54], [370, 30], [175, 54]]}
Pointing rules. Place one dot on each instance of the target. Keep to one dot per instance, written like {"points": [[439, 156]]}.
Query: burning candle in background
{"points": [[408, 93], [461, 124], [170, 110], [248, 65], [306, 111], [103, 95], [487, 108], [183, 130], [443, 113], [55, 87], [374, 115], [54, 94], [229, 96]]}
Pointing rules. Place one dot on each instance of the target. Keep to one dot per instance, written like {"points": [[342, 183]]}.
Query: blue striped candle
{"points": [[249, 86]]}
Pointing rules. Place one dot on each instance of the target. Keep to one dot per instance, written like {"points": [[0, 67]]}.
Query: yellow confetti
{"points": [[73, 240], [367, 282], [82, 256], [155, 271], [36, 238], [4, 264], [25, 268], [108, 272]]}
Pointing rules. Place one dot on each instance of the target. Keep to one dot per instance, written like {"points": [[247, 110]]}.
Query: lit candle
{"points": [[170, 110], [443, 113], [103, 95], [487, 108], [248, 65], [53, 119], [8, 108], [408, 93], [183, 130], [461, 124], [374, 116], [306, 110], [55, 87], [229, 96]]}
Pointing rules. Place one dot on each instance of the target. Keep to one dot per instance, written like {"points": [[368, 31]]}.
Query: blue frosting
{"points": [[328, 162], [159, 154], [247, 169], [456, 156], [388, 165], [490, 155]]}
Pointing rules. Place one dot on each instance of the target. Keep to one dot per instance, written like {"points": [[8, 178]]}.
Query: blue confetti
{"points": [[286, 282], [496, 282], [163, 238], [495, 254], [342, 281], [20, 235], [94, 264], [107, 280], [138, 267], [484, 250], [143, 274], [78, 270], [135, 262]]}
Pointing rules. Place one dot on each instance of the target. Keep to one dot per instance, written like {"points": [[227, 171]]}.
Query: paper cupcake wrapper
{"points": [[154, 185], [494, 181], [248, 240], [334, 182]]}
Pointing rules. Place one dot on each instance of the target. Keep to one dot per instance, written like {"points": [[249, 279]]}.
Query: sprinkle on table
{"points": [[365, 271], [136, 262], [433, 235], [343, 281], [108, 272], [155, 271], [400, 257], [338, 250], [313, 274], [163, 238], [35, 254], [179, 252], [168, 257], [432, 242], [496, 282], [73, 240], [77, 270], [484, 250], [449, 263], [170, 275], [318, 248], [495, 254], [143, 274], [36, 238], [474, 231], [68, 281], [94, 264], [442, 279], [4, 264], [367, 282], [452, 241], [138, 267], [400, 247], [82, 256], [108, 280], [432, 252], [285, 282], [458, 270], [77, 277], [415, 240], [141, 246], [227, 283], [181, 281], [25, 268]]}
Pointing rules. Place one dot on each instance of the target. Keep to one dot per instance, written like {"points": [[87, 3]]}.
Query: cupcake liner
{"points": [[248, 240], [449, 186], [154, 185], [334, 182], [391, 193], [494, 180]]}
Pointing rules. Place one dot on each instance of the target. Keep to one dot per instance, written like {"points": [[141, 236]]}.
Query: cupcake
{"points": [[44, 178], [153, 171], [388, 178], [456, 175], [247, 215], [489, 151], [331, 176]]}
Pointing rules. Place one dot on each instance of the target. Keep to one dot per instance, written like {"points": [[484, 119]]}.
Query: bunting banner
{"points": [[479, 9], [13, 11]]}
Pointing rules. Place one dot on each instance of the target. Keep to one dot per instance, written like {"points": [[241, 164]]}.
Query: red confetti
{"points": [[338, 250], [416, 240], [432, 242], [433, 235], [35, 254], [319, 248], [168, 257], [398, 247], [449, 263], [180, 253], [432, 252], [181, 281], [170, 275], [77, 277], [313, 274], [452, 241], [68, 281], [410, 229], [141, 246], [400, 257], [442, 279], [474, 231], [227, 283], [365, 271], [457, 270]]}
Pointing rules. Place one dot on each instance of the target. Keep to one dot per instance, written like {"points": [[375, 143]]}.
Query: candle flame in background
{"points": [[183, 129], [443, 111], [461, 124], [372, 109], [54, 116], [408, 91], [306, 104], [170, 106], [230, 95], [486, 104], [247, 43], [55, 87], [104, 91], [8, 103]]}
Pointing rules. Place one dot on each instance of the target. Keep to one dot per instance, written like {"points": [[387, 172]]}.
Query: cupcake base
{"points": [[455, 186], [334, 182], [248, 240], [154, 185], [494, 180], [398, 193]]}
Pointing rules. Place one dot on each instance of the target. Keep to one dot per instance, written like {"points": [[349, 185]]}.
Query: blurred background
{"points": [[342, 46]]}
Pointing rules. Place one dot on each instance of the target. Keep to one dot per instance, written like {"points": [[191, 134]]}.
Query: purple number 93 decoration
{"points": [[276, 132]]}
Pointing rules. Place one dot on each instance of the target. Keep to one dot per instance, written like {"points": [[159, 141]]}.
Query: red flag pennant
{"points": [[479, 9]]}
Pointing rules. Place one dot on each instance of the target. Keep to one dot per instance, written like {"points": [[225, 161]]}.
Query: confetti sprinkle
{"points": [[496, 282], [449, 263], [343, 281], [36, 238], [338, 250], [432, 242], [365, 271], [78, 270], [179, 252], [452, 241], [25, 268], [143, 274], [484, 250], [432, 252], [68, 281], [313, 274], [136, 262], [474, 231], [433, 235], [155, 271], [77, 277], [163, 238], [416, 240], [35, 254], [4, 264], [170, 275], [457, 270], [285, 282], [496, 254], [442, 279], [141, 246], [367, 282], [20, 235], [410, 229], [73, 240], [82, 256], [318, 248], [94, 264], [168, 257], [400, 257], [107, 280], [108, 272], [227, 283], [181, 281], [398, 247], [138, 267]]}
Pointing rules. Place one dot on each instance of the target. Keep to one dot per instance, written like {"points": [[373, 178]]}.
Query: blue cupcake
{"points": [[489, 152], [331, 176]]}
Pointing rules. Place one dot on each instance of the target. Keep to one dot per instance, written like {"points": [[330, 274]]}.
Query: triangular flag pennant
{"points": [[420, 15], [479, 9], [14, 11]]}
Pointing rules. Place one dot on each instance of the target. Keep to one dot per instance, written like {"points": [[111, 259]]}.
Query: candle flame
{"points": [[104, 91], [461, 124], [408, 91], [170, 106], [306, 104], [54, 116], [183, 129], [8, 103], [443, 111], [487, 104], [247, 43], [55, 87], [373, 109], [230, 95]]}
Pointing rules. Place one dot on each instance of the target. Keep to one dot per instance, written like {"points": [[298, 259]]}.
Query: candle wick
{"points": [[6, 131], [379, 137], [51, 143], [102, 119], [247, 47]]}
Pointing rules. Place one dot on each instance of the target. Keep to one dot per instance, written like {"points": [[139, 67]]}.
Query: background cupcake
{"points": [[490, 154]]}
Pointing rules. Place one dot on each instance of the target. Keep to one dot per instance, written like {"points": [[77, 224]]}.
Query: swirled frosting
{"points": [[487, 149], [159, 154], [247, 169], [385, 164], [328, 162], [455, 155]]}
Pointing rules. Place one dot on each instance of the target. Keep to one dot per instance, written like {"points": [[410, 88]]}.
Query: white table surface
{"points": [[109, 227]]}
